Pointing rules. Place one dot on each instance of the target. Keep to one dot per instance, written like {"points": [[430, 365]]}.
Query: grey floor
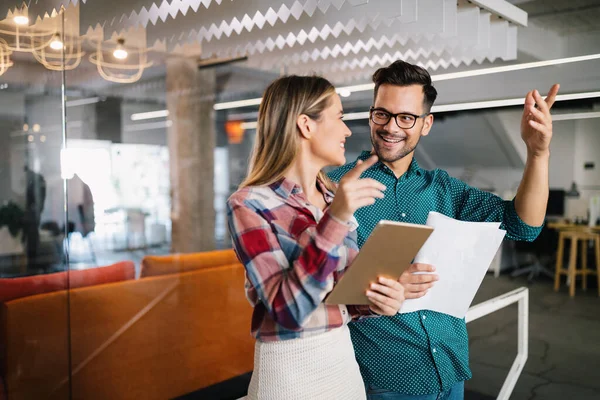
{"points": [[564, 343]]}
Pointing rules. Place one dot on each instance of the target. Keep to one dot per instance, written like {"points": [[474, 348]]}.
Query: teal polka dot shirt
{"points": [[423, 352]]}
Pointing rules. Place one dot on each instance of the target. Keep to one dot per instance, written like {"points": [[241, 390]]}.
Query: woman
{"points": [[295, 241]]}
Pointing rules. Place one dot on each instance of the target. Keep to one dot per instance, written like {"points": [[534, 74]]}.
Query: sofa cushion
{"points": [[176, 263], [14, 288]]}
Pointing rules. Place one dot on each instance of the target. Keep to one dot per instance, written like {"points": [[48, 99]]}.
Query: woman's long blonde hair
{"points": [[277, 134]]}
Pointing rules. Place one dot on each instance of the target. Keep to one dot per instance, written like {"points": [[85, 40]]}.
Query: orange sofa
{"points": [[173, 263], [156, 337]]}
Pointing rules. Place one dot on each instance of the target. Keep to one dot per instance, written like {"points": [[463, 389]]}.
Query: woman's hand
{"points": [[387, 296], [353, 193]]}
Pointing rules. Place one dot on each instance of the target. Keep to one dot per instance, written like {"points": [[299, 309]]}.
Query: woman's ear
{"points": [[306, 126]]}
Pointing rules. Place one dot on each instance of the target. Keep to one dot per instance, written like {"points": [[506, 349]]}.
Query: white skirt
{"points": [[316, 367]]}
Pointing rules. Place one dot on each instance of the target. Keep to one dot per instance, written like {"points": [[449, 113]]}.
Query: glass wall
{"points": [[34, 332], [119, 145], [115, 267]]}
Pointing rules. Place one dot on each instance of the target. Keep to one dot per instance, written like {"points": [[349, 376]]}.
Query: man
{"points": [[35, 197], [424, 355]]}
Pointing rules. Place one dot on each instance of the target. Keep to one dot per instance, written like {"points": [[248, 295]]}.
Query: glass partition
{"points": [[34, 297]]}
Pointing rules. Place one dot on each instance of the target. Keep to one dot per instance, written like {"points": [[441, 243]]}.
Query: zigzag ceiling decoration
{"points": [[357, 75], [375, 61], [37, 9], [233, 34], [500, 42], [229, 24], [341, 37], [143, 12], [355, 31], [241, 11], [345, 45]]}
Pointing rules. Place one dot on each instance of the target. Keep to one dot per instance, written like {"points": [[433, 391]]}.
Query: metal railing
{"points": [[520, 296]]}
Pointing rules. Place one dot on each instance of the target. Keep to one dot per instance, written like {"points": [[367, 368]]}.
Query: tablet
{"points": [[388, 252]]}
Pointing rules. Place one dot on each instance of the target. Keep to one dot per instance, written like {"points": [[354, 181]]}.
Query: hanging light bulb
{"points": [[21, 20], [20, 17], [56, 43], [120, 52]]}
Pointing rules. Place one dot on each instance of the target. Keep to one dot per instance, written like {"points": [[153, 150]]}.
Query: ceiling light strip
{"points": [[515, 67], [82, 102], [237, 104], [438, 77], [150, 115], [583, 115]]}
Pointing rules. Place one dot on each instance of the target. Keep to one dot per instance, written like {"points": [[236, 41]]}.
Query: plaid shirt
{"points": [[293, 253]]}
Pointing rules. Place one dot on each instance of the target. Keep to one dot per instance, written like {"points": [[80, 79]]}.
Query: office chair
{"points": [[542, 248]]}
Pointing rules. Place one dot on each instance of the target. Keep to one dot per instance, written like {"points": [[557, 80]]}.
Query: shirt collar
{"points": [[413, 168], [286, 188]]}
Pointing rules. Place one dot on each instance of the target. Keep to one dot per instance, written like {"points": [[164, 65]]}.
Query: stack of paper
{"points": [[461, 253]]}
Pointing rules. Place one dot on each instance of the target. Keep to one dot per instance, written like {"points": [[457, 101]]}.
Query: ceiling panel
{"points": [[563, 16], [344, 38]]}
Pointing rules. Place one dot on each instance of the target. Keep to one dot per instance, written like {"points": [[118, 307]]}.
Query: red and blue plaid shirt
{"points": [[293, 253]]}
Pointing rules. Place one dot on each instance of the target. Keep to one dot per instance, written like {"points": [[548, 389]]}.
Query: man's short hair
{"points": [[401, 73]]}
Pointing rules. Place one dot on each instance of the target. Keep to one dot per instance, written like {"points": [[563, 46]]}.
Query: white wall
{"points": [[587, 149], [573, 144], [511, 123], [562, 154], [504, 180]]}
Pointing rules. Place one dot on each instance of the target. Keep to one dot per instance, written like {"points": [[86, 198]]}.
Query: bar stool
{"points": [[583, 237]]}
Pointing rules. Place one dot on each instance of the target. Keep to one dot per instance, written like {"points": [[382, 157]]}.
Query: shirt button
{"points": [[424, 316], [403, 215], [434, 350]]}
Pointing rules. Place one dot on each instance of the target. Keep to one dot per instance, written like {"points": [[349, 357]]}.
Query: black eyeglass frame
{"points": [[415, 116]]}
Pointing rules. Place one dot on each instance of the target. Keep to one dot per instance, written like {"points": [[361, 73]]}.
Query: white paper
{"points": [[461, 253]]}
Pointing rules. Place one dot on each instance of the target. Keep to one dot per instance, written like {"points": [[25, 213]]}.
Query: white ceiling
{"points": [[564, 17], [341, 39], [344, 40]]}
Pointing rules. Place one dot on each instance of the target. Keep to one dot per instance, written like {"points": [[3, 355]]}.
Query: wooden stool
{"points": [[576, 236]]}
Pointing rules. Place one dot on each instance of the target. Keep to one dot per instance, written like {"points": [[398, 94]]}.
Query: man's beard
{"points": [[386, 155]]}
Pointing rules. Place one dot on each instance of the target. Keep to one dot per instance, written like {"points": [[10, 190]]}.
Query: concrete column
{"points": [[191, 138], [7, 128]]}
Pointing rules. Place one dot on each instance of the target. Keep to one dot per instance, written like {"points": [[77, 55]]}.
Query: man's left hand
{"points": [[536, 123], [417, 285]]}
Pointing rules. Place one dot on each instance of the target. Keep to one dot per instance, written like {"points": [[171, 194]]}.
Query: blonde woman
{"points": [[296, 240]]}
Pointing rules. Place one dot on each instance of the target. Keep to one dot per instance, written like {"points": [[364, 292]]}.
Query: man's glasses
{"points": [[380, 116]]}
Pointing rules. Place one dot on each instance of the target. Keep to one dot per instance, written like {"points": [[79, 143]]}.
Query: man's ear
{"points": [[306, 126], [427, 124]]}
